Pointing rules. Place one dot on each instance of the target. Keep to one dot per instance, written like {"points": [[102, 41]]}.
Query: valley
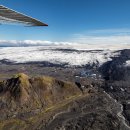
{"points": [[43, 95]]}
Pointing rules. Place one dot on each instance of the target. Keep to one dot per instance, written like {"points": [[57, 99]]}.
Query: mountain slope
{"points": [[22, 93], [45, 103]]}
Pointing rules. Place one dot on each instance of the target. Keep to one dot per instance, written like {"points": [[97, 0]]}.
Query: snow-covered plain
{"points": [[87, 54]]}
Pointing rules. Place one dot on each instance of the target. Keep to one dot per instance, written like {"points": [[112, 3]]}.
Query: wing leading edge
{"points": [[10, 16]]}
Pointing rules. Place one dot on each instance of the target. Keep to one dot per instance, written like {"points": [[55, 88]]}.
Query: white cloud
{"points": [[105, 32], [39, 54], [78, 40], [15, 43], [49, 52], [102, 39], [109, 31]]}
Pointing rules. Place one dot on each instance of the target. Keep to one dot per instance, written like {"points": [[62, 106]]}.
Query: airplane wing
{"points": [[9, 16]]}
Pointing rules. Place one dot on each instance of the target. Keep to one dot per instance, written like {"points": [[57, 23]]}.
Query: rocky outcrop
{"points": [[22, 94], [45, 103]]}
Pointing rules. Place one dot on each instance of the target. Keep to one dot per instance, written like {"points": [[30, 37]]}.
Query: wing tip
{"points": [[45, 25], [30, 21]]}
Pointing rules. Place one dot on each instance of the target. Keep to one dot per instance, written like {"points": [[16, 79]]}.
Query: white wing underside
{"points": [[9, 16]]}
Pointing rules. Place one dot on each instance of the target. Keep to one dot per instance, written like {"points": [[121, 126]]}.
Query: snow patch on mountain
{"points": [[127, 63]]}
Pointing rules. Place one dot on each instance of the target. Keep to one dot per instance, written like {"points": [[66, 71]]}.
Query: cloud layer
{"points": [[15, 43], [77, 40], [102, 39], [55, 56]]}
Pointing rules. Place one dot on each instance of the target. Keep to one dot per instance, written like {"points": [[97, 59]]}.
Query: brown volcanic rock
{"points": [[22, 93], [45, 103]]}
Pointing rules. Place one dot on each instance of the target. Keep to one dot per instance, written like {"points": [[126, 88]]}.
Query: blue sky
{"points": [[69, 20]]}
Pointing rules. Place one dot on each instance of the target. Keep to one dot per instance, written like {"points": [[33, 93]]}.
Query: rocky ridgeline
{"points": [[45, 103], [21, 94]]}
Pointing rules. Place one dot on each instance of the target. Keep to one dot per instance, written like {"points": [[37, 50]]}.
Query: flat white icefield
{"points": [[77, 55]]}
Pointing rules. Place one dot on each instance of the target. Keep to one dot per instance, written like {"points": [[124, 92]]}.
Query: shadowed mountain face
{"points": [[116, 70]]}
